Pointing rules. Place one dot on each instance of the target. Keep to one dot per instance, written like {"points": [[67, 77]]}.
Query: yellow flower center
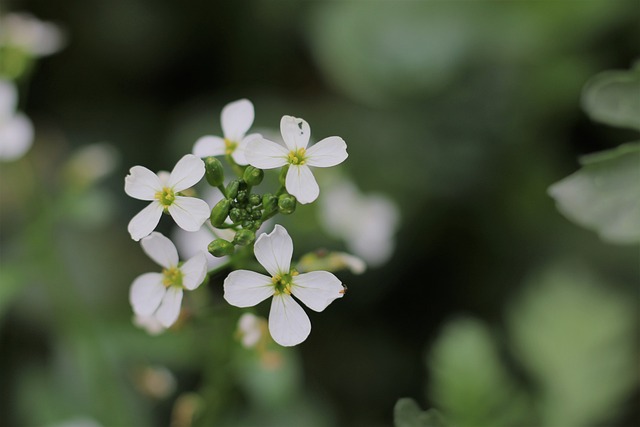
{"points": [[297, 157], [230, 146], [283, 282], [172, 277], [166, 197]]}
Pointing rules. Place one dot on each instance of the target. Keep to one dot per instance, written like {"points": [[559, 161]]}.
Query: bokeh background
{"points": [[493, 308]]}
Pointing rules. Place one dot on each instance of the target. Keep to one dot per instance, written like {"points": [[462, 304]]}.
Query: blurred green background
{"points": [[494, 308]]}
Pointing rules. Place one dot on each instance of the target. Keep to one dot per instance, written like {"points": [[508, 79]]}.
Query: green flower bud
{"points": [[242, 195], [253, 176], [287, 204], [248, 224], [232, 189], [221, 247], [269, 202], [244, 237], [236, 215], [214, 171], [219, 212], [255, 200]]}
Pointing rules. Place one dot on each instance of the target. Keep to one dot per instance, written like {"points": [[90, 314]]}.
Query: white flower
{"points": [[162, 190], [366, 222], [300, 182], [160, 294], [250, 329], [35, 37], [149, 324], [16, 130], [288, 323], [236, 118]]}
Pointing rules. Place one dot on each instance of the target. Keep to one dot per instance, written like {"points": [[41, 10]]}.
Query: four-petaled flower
{"points": [[236, 119], [300, 182], [163, 192], [288, 323], [160, 294]]}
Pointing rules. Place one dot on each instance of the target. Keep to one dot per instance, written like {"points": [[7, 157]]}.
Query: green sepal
{"points": [[221, 247], [232, 189], [244, 237], [287, 204], [214, 171], [220, 212], [253, 176]]}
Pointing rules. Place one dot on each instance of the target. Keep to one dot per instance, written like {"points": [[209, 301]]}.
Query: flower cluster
{"points": [[232, 223]]}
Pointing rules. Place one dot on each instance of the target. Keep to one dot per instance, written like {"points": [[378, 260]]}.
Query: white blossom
{"points": [[163, 190], [16, 130], [160, 294], [236, 119], [250, 329], [26, 32], [289, 325], [265, 154]]}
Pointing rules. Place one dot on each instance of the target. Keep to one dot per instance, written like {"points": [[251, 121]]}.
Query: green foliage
{"points": [[576, 339], [407, 413], [604, 195], [470, 384]]}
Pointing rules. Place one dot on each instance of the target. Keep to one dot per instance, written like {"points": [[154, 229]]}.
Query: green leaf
{"points": [[576, 337], [469, 382], [613, 98], [604, 195], [407, 413]]}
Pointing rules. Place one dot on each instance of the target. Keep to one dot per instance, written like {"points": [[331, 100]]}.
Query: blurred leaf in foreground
{"points": [[577, 339], [469, 382], [604, 195], [613, 98], [407, 413]]}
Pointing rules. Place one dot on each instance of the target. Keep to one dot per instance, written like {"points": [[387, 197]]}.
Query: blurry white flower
{"points": [[236, 119], [149, 324], [28, 33], [288, 323], [331, 261], [16, 130], [367, 223], [300, 182], [91, 163], [250, 329], [160, 294], [162, 190]]}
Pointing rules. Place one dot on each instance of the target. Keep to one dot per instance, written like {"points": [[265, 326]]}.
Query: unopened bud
{"points": [[221, 247], [244, 237], [269, 202], [219, 212], [254, 200], [236, 215], [232, 189], [287, 204], [214, 171], [253, 176]]}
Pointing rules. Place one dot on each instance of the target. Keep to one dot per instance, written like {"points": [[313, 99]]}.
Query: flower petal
{"points": [[145, 221], [301, 183], [317, 289], [274, 251], [264, 154], [141, 183], [194, 271], [16, 137], [209, 146], [187, 172], [169, 309], [160, 249], [328, 152], [295, 132], [237, 117], [238, 154], [288, 323], [244, 288], [189, 212], [145, 293]]}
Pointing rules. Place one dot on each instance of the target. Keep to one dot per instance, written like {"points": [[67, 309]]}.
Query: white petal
{"points": [[238, 154], [237, 118], [188, 172], [328, 152], [141, 183], [295, 132], [301, 183], [194, 271], [149, 324], [265, 154], [288, 323], [146, 292], [16, 137], [274, 251], [209, 146], [244, 288], [160, 249], [189, 212], [145, 221], [317, 289], [169, 309]]}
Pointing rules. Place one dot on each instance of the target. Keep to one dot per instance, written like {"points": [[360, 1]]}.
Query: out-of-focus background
{"points": [[491, 307]]}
